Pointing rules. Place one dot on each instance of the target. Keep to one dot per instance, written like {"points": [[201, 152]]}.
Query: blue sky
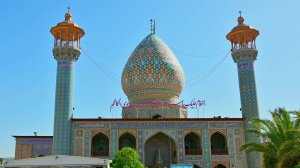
{"points": [[194, 30]]}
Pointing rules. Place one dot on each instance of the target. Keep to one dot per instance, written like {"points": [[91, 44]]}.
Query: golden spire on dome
{"points": [[68, 16], [67, 32], [242, 35], [240, 19]]}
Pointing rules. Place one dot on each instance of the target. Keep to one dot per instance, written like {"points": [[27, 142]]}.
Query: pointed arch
{"points": [[127, 140], [100, 145], [160, 150], [220, 166], [218, 144], [192, 144]]}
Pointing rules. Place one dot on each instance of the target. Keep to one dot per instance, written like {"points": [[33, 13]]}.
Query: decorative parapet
{"points": [[244, 55], [66, 53]]}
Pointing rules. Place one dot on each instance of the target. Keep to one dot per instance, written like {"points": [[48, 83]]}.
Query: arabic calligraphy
{"points": [[194, 104]]}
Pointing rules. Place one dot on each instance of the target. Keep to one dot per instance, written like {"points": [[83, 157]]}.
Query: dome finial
{"points": [[152, 26], [240, 19], [68, 16]]}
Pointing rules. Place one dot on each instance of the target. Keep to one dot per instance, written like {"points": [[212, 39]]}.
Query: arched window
{"points": [[192, 144], [160, 151], [218, 144], [220, 166], [127, 140], [100, 145]]}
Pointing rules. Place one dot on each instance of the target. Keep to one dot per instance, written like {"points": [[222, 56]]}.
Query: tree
{"points": [[127, 158], [289, 152], [282, 134]]}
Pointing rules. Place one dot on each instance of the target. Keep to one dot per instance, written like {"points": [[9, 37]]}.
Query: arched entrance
{"points": [[220, 166], [160, 151], [126, 140], [100, 145]]}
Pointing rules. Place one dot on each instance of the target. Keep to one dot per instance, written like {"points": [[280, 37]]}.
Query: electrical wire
{"points": [[106, 72], [202, 76]]}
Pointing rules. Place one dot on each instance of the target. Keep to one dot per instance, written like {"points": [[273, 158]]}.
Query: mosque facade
{"points": [[160, 131]]}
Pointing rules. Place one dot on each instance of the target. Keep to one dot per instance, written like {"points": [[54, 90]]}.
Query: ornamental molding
{"points": [[221, 131], [195, 131], [159, 125], [172, 133], [191, 158], [97, 131], [225, 124], [244, 54], [198, 163], [66, 53], [225, 163], [220, 157], [132, 132]]}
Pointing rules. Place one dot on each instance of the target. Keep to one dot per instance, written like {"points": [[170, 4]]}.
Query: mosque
{"points": [[161, 131]]}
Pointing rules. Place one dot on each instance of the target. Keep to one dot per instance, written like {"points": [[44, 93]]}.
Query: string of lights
{"points": [[199, 56], [202, 76], [106, 72], [189, 83]]}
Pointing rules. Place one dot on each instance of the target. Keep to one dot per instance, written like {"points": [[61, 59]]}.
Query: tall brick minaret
{"points": [[244, 53], [66, 51]]}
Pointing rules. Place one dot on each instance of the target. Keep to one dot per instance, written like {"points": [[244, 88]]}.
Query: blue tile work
{"points": [[244, 59], [87, 143], [159, 125], [237, 144], [152, 71], [231, 146], [225, 124], [63, 107], [180, 146], [206, 148], [140, 144], [72, 143], [245, 155], [113, 142], [91, 125], [148, 129], [66, 57]]}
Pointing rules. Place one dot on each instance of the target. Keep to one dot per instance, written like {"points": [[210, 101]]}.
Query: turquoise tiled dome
{"points": [[152, 71]]}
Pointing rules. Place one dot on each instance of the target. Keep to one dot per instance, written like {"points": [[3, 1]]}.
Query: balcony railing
{"points": [[99, 153], [193, 151], [222, 151]]}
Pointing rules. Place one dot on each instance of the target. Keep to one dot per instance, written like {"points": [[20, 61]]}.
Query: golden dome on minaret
{"points": [[67, 30], [242, 34]]}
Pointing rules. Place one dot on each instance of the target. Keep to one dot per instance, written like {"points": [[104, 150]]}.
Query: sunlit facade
{"points": [[153, 124]]}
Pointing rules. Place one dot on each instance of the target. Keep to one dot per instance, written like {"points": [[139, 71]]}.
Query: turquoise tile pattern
{"points": [[152, 71], [244, 59], [87, 143], [113, 142], [206, 148], [231, 146], [66, 58]]}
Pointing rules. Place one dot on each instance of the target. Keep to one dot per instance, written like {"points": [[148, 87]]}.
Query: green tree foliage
{"points": [[282, 136], [127, 158]]}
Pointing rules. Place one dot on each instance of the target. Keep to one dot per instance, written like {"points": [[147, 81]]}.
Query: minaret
{"points": [[66, 51], [244, 53]]}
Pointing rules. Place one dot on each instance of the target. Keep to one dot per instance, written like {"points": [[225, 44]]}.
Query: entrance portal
{"points": [[160, 151]]}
